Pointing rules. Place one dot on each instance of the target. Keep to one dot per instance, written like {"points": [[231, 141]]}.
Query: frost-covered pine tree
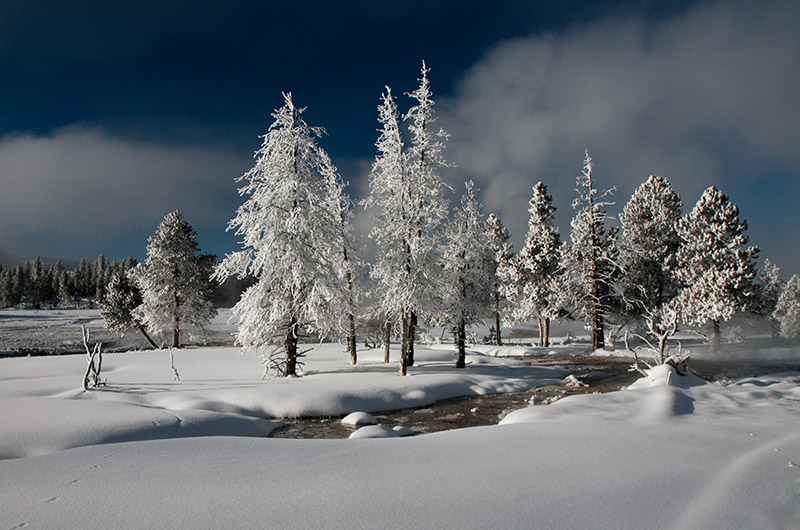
{"points": [[714, 267], [349, 264], [769, 288], [533, 278], [175, 283], [649, 249], [428, 207], [467, 271], [406, 193], [787, 308], [590, 261], [119, 304], [292, 243], [500, 249]]}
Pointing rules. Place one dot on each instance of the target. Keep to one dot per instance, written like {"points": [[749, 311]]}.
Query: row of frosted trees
{"points": [[34, 284], [665, 269]]}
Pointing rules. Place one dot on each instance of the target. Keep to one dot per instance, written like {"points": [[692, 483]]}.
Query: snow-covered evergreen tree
{"points": [[714, 267], [532, 279], [500, 249], [649, 249], [427, 205], [349, 263], [175, 282], [292, 243], [590, 261], [119, 304], [787, 308], [467, 271], [406, 193], [769, 288]]}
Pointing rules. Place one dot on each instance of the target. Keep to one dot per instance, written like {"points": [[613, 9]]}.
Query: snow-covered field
{"points": [[149, 452]]}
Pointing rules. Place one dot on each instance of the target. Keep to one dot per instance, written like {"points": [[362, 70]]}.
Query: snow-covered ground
{"points": [[149, 452]]}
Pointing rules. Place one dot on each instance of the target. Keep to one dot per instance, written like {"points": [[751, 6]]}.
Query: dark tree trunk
{"points": [[291, 350], [351, 339], [149, 339], [176, 333], [715, 341], [546, 341], [387, 338], [460, 335], [598, 335], [412, 330], [498, 339]]}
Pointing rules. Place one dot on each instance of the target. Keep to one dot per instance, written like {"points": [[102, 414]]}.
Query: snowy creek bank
{"points": [[588, 375]]}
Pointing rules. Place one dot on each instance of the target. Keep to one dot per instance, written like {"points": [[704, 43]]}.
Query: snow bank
{"points": [[595, 464], [221, 393]]}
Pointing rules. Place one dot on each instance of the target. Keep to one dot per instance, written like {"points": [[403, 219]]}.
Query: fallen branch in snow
{"points": [[92, 374]]}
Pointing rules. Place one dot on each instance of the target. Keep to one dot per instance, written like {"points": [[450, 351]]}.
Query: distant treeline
{"points": [[30, 284]]}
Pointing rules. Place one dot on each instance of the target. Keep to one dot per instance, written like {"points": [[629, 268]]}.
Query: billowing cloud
{"points": [[85, 188], [706, 97]]}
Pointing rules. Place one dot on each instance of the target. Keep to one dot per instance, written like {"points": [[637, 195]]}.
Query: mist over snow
{"points": [[84, 187], [705, 97]]}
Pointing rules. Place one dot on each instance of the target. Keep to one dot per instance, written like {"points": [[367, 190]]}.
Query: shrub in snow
{"points": [[292, 238], [787, 308], [714, 267]]}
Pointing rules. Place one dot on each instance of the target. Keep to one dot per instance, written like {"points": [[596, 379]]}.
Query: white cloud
{"points": [[80, 184], [694, 97]]}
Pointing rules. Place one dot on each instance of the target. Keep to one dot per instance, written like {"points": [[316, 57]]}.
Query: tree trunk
{"points": [[412, 330], [351, 339], [462, 352], [546, 342], [387, 338], [715, 342], [498, 339], [540, 320], [149, 339], [404, 343], [291, 350], [598, 336]]}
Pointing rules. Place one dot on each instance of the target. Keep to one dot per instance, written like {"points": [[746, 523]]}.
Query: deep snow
{"points": [[145, 451]]}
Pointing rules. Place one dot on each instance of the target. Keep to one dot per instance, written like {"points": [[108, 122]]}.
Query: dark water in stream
{"points": [[598, 374]]}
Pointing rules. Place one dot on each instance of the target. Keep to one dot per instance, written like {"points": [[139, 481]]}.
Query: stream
{"points": [[599, 375]]}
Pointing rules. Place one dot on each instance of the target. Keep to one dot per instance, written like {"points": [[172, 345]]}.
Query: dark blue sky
{"points": [[114, 114]]}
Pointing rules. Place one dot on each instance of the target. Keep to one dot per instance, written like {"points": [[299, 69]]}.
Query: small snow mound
{"points": [[403, 431], [359, 418], [375, 431], [574, 382], [665, 375]]}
